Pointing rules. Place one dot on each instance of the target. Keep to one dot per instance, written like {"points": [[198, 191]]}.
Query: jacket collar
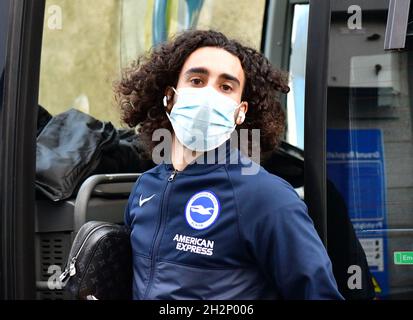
{"points": [[208, 161]]}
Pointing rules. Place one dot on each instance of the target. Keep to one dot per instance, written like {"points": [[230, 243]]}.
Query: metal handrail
{"points": [[85, 192]]}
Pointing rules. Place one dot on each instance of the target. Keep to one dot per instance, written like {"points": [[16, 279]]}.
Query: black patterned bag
{"points": [[100, 263]]}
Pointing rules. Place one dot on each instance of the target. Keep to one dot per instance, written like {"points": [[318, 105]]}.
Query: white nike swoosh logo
{"points": [[143, 201]]}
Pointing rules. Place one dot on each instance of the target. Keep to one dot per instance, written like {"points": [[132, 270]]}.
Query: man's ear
{"points": [[242, 111]]}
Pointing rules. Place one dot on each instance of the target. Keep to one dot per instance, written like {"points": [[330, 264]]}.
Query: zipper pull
{"points": [[72, 267], [64, 276], [70, 271], [172, 176]]}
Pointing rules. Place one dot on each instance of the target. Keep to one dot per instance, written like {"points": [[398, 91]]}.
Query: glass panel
{"points": [[242, 20], [85, 45], [295, 98], [370, 142], [80, 57]]}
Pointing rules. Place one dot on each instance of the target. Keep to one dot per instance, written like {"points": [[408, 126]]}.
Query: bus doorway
{"points": [[369, 142], [355, 137]]}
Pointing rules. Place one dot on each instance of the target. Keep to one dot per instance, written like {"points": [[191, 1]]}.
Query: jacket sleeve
{"points": [[127, 217], [290, 252]]}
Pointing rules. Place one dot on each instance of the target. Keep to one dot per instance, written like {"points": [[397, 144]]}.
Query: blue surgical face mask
{"points": [[202, 118]]}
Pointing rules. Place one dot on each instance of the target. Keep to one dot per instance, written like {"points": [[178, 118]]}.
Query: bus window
{"points": [[369, 141], [295, 98], [85, 46], [286, 47], [80, 57]]}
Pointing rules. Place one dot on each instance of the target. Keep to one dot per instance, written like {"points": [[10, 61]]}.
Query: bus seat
{"points": [[100, 197]]}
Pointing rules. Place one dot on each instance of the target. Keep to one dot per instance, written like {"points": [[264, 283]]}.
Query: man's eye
{"points": [[196, 81], [226, 88]]}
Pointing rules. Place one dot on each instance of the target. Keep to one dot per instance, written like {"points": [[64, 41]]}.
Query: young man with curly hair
{"points": [[202, 230]]}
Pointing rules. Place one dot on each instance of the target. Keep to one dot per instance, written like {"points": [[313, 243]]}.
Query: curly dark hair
{"points": [[140, 91]]}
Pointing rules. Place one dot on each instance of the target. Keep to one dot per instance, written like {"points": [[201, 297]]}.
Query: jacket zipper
{"points": [[158, 234], [70, 269]]}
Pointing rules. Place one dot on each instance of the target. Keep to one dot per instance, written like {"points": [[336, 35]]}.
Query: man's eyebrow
{"points": [[227, 76], [197, 70]]}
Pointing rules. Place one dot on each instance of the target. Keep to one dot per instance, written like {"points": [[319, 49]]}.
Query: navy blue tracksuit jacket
{"points": [[210, 232]]}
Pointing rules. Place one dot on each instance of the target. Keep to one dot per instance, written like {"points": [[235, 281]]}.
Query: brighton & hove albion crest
{"points": [[202, 210]]}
